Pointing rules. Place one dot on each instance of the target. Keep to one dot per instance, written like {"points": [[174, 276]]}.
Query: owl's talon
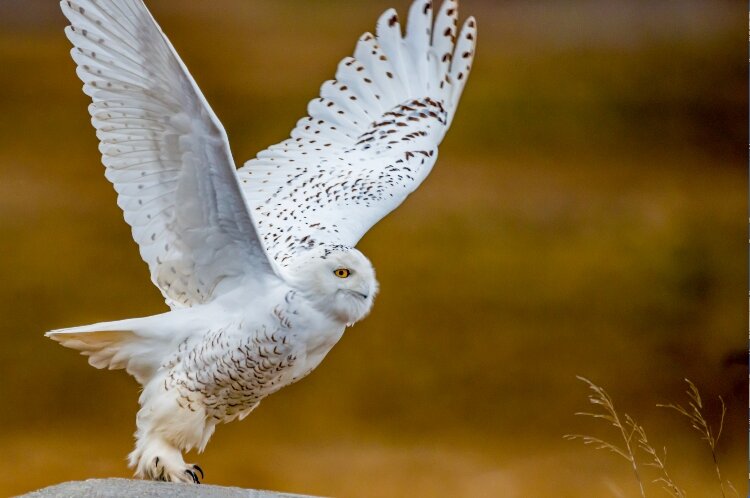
{"points": [[192, 475], [199, 469]]}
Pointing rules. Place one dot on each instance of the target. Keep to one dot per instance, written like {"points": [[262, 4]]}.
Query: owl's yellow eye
{"points": [[342, 272]]}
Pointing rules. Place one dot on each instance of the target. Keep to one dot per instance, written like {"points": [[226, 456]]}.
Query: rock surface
{"points": [[131, 488]]}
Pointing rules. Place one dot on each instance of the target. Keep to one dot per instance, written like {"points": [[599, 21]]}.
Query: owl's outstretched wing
{"points": [[165, 152], [369, 140]]}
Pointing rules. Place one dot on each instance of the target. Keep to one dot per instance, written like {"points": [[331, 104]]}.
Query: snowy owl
{"points": [[257, 265]]}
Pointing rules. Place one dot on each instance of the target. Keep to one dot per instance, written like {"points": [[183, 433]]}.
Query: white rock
{"points": [[131, 488]]}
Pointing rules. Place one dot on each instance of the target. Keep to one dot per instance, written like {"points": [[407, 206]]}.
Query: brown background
{"points": [[586, 217]]}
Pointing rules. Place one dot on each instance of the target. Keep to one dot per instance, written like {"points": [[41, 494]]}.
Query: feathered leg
{"points": [[168, 424]]}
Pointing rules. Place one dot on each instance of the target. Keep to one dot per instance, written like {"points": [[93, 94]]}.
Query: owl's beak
{"points": [[357, 293]]}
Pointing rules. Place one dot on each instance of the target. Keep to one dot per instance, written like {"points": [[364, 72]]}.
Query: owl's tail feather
{"points": [[128, 344]]}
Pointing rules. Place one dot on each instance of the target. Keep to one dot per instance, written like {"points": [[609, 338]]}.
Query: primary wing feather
{"points": [[369, 140], [165, 152]]}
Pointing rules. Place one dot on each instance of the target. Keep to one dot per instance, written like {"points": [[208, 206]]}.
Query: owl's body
{"points": [[213, 363], [232, 359], [228, 361], [258, 265]]}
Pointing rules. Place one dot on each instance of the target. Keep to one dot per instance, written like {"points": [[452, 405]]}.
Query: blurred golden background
{"points": [[587, 216]]}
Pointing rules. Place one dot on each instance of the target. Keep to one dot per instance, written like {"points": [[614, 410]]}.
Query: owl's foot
{"points": [[159, 461], [161, 470]]}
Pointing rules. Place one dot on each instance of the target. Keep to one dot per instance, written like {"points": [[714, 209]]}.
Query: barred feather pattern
{"points": [[226, 372], [369, 140]]}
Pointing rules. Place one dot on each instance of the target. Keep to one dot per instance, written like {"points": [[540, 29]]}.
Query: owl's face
{"points": [[340, 282]]}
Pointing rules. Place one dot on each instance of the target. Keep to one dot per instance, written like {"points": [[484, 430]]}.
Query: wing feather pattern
{"points": [[369, 140], [165, 152]]}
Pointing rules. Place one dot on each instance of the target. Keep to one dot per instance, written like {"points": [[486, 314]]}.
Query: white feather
{"points": [[165, 151]]}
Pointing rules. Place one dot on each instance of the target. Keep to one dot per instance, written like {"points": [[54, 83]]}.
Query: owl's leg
{"points": [[167, 425]]}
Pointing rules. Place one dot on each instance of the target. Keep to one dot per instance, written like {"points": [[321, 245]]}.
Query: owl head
{"points": [[339, 281]]}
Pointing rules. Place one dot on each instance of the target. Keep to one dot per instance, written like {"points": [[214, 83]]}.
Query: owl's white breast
{"points": [[315, 335], [289, 313]]}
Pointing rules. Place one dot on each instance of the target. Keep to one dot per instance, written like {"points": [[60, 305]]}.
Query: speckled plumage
{"points": [[369, 140], [258, 264]]}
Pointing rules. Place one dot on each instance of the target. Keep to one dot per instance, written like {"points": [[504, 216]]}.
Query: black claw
{"points": [[199, 469], [192, 474], [156, 462]]}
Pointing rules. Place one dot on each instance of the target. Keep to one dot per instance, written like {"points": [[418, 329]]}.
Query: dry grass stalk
{"points": [[634, 437], [658, 462], [694, 413], [601, 399]]}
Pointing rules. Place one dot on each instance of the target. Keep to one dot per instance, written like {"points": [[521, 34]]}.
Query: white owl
{"points": [[258, 265]]}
